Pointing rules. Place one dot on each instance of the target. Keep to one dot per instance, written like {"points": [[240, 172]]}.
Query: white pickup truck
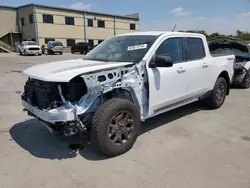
{"points": [[29, 48], [125, 80]]}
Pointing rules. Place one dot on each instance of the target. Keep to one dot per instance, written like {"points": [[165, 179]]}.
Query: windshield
{"points": [[122, 48], [30, 43], [56, 44]]}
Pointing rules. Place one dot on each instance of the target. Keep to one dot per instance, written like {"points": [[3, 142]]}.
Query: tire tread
{"points": [[99, 120]]}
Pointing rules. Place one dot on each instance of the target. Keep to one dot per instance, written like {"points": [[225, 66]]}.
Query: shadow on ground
{"points": [[32, 136]]}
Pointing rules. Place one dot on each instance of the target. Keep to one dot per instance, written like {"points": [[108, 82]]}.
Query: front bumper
{"points": [[56, 50], [60, 114], [33, 52]]}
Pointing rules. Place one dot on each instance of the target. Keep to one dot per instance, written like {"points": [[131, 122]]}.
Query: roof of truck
{"points": [[157, 33]]}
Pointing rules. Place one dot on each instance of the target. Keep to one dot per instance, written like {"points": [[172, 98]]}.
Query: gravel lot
{"points": [[191, 147]]}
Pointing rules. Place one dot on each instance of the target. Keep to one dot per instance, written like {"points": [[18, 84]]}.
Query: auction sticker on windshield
{"points": [[137, 47]]}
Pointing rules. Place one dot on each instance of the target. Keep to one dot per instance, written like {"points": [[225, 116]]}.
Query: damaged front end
{"points": [[54, 103], [67, 108], [240, 72]]}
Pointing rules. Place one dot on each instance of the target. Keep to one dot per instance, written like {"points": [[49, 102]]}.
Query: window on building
{"points": [[101, 23], [194, 49], [46, 40], [48, 18], [132, 26], [69, 20], [90, 23], [100, 41], [31, 18], [22, 21], [71, 42]]}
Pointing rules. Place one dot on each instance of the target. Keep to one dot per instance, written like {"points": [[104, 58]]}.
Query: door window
{"points": [[194, 48], [171, 47]]}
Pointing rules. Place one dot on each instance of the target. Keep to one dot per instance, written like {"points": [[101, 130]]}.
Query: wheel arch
{"points": [[122, 93], [224, 74]]}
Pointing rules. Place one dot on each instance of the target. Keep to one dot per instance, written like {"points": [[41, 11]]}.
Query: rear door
{"points": [[198, 66]]}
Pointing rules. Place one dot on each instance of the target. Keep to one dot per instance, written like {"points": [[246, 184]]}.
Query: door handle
{"points": [[204, 65], [181, 70]]}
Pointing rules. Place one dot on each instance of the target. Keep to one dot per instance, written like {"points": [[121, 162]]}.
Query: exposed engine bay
{"points": [[46, 96], [81, 97]]}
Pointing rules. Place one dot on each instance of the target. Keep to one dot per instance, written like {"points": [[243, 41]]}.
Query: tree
{"points": [[239, 34]]}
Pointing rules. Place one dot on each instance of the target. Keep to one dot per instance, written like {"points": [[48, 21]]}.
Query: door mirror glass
{"points": [[161, 61]]}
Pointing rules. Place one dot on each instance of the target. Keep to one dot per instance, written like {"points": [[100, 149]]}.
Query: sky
{"points": [[224, 16]]}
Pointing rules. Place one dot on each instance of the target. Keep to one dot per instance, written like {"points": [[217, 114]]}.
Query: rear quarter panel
{"points": [[223, 63], [219, 63]]}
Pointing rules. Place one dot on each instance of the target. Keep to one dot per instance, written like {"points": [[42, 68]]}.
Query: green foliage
{"points": [[239, 34]]}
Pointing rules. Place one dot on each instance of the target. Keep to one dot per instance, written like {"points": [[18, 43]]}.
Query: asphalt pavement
{"points": [[191, 147]]}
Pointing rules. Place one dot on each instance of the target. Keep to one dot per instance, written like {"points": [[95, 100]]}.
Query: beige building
{"points": [[44, 23]]}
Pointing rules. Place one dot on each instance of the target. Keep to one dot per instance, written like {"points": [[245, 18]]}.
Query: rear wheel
{"points": [[116, 126], [246, 82], [219, 93]]}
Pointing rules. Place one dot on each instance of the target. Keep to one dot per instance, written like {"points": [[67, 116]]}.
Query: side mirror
{"points": [[161, 61]]}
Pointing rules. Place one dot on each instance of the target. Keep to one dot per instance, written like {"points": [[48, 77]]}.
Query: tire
{"points": [[246, 82], [20, 53], [219, 93], [72, 51], [50, 52], [104, 117], [61, 53], [39, 54]]}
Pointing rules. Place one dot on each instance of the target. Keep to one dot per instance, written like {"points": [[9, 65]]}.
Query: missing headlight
{"points": [[75, 89]]}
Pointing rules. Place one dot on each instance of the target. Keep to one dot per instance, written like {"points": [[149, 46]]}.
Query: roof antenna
{"points": [[174, 27]]}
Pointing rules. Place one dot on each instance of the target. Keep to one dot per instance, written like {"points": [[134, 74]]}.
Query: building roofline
{"points": [[7, 7], [80, 11]]}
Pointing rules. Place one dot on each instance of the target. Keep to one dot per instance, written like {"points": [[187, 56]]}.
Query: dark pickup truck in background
{"points": [[82, 47], [241, 50]]}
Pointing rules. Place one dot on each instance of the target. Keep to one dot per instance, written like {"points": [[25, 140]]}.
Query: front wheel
{"points": [[219, 93], [116, 126]]}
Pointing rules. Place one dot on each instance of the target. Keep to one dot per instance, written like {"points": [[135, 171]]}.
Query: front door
{"points": [[168, 85]]}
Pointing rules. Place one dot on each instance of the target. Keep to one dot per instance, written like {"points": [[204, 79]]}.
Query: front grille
{"points": [[34, 48], [41, 94]]}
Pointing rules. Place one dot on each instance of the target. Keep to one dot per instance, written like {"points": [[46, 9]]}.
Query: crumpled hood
{"points": [[64, 71]]}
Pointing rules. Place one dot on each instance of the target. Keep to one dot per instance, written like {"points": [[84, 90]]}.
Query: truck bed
{"points": [[240, 56]]}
